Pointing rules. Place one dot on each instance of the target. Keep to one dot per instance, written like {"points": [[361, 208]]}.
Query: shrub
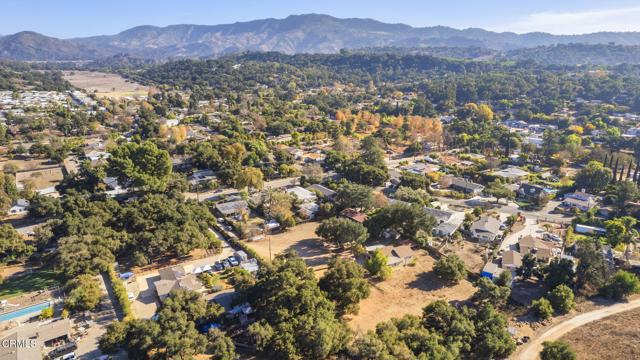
{"points": [[621, 285], [542, 308], [562, 299]]}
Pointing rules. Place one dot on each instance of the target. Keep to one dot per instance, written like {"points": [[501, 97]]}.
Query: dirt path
{"points": [[532, 350]]}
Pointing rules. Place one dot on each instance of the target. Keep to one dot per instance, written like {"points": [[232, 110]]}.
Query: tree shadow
{"points": [[427, 281]]}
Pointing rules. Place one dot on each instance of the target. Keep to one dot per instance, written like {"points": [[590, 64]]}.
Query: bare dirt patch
{"points": [[408, 291], [472, 254], [105, 84], [301, 238], [614, 337]]}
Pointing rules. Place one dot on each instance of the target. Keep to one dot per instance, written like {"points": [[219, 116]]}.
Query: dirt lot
{"points": [[614, 337], [41, 178], [469, 252], [104, 84], [301, 238], [21, 164], [409, 289]]}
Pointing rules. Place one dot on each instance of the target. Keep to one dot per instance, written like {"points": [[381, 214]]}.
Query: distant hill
{"points": [[311, 33], [29, 45], [579, 54]]}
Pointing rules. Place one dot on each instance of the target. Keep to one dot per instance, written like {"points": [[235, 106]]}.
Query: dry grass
{"points": [[104, 84], [408, 291], [615, 337], [301, 238], [41, 178], [469, 252]]}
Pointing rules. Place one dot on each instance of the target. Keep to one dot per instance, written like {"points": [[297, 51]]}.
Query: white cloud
{"points": [[581, 22]]}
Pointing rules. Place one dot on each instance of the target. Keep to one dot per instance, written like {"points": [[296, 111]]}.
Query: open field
{"points": [[105, 84], [41, 178], [301, 238], [21, 164], [615, 337], [409, 289], [16, 285]]}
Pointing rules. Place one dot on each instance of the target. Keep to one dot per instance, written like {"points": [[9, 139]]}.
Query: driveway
{"points": [[532, 350], [88, 344], [531, 227]]}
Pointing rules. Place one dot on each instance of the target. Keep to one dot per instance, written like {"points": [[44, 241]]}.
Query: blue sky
{"points": [[74, 18]]}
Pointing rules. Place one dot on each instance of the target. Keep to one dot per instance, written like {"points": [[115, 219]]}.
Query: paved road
{"points": [[532, 350]]}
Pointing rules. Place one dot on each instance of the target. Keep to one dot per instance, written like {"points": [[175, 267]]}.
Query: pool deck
{"points": [[26, 300]]}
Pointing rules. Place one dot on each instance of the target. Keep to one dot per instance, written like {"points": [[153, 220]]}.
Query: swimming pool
{"points": [[37, 308]]}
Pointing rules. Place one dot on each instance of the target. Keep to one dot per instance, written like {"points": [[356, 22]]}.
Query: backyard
{"points": [[301, 238], [408, 291], [38, 280]]}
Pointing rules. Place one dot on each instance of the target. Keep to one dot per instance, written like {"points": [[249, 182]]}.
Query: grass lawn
{"points": [[38, 280]]}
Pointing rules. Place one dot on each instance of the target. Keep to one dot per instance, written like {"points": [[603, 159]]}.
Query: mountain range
{"points": [[310, 33]]}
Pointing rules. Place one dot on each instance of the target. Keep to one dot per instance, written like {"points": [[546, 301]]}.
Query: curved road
{"points": [[532, 350]]}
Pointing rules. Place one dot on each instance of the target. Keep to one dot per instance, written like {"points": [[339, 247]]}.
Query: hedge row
{"points": [[120, 293]]}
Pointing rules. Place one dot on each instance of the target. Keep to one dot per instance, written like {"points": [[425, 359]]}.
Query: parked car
{"points": [[233, 261], [218, 266], [551, 237], [226, 264]]}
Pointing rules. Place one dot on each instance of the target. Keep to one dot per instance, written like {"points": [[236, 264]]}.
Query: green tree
{"points": [[342, 232], [141, 165], [84, 295], [450, 269], [419, 196], [220, 346], [352, 195], [490, 292], [454, 325], [559, 271], [493, 341], [542, 308], [377, 265], [562, 299], [528, 268], [499, 191], [12, 245], [621, 285], [294, 318], [592, 270], [345, 284], [622, 194], [557, 350], [594, 177], [408, 220]]}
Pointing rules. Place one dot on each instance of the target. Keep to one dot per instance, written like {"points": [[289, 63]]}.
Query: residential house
{"points": [[512, 173], [355, 215], [543, 250], [232, 208], [324, 191], [463, 185], [531, 192], [34, 337], [21, 206], [511, 260], [491, 270], [308, 210], [486, 229], [448, 222], [302, 194], [580, 200], [396, 255], [179, 277]]}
